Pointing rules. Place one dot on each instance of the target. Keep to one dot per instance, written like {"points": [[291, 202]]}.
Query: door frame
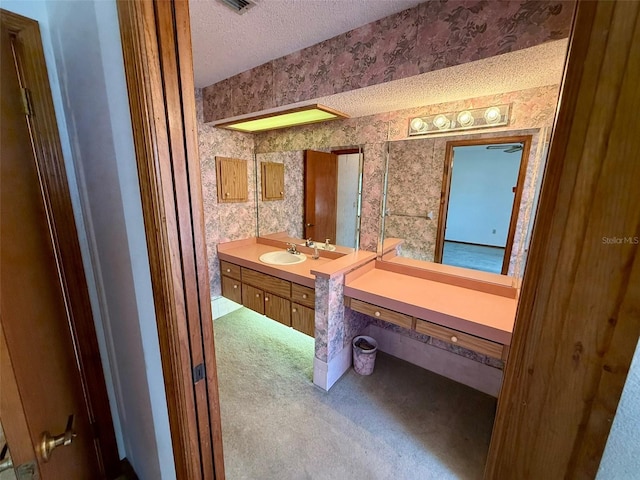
{"points": [[446, 190], [579, 445], [57, 200]]}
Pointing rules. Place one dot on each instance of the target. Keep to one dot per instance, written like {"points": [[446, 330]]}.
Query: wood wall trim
{"points": [[578, 325], [50, 160], [157, 54]]}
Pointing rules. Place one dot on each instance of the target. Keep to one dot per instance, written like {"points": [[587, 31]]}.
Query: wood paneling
{"points": [[231, 178], [253, 298], [267, 282], [303, 319], [461, 339], [232, 289], [272, 181], [320, 195], [578, 323], [156, 44], [277, 308]]}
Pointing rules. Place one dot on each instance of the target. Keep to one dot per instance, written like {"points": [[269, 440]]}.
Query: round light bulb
{"points": [[417, 124], [465, 118], [492, 115], [440, 121]]}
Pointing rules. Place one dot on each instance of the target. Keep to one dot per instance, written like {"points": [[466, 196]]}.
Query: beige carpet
{"points": [[402, 422]]}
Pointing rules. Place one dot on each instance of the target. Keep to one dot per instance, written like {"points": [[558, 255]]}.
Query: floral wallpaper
{"points": [[223, 221], [428, 37], [283, 215]]}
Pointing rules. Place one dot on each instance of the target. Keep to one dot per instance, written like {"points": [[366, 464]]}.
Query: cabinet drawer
{"points": [[267, 282], [303, 295], [232, 289], [277, 308], [382, 313], [253, 298], [230, 270], [303, 319], [480, 345]]}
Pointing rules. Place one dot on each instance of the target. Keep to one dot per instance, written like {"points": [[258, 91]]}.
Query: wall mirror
{"points": [[321, 196], [466, 201]]}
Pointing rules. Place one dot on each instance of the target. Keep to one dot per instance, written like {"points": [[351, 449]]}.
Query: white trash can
{"points": [[364, 354]]}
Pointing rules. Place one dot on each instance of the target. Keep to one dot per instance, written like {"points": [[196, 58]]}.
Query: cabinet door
{"points": [[253, 298], [232, 289], [303, 319], [277, 308], [272, 181], [231, 180]]}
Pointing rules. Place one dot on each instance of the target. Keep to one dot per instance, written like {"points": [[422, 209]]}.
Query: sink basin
{"points": [[321, 246], [282, 258]]}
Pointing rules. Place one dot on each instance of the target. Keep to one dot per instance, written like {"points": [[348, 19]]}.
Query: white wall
{"points": [[84, 57], [481, 195], [621, 458]]}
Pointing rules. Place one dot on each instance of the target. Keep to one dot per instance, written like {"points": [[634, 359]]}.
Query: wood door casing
{"points": [[320, 195], [34, 310]]}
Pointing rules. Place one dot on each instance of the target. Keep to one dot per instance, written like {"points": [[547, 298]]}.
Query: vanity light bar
{"points": [[494, 116]]}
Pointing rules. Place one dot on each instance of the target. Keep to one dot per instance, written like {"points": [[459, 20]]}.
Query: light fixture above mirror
{"points": [[284, 118], [494, 116]]}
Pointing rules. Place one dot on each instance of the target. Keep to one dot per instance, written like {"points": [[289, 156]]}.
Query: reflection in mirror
{"points": [[452, 200], [321, 196], [482, 188]]}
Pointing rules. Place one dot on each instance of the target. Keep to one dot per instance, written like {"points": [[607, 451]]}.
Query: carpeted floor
{"points": [[477, 257], [402, 422]]}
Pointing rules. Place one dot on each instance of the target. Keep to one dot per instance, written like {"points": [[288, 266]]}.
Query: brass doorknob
{"points": [[50, 442]]}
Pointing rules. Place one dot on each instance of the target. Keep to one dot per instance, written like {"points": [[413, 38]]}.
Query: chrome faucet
{"points": [[327, 243], [309, 242], [292, 248]]}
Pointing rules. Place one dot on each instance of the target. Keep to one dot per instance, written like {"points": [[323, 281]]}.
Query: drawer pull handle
{"points": [[266, 299], [294, 310], [235, 286], [454, 339], [377, 314], [257, 295], [304, 295], [228, 270]]}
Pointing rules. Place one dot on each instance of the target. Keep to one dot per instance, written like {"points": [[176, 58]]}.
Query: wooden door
{"points": [[320, 195], [40, 379]]}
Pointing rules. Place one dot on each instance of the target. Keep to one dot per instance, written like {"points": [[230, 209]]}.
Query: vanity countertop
{"points": [[478, 313], [246, 253]]}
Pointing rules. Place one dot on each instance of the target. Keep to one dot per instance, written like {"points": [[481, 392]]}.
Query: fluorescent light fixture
{"points": [[285, 118], [475, 118]]}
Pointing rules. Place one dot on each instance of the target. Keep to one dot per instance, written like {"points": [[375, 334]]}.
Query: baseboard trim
{"points": [[474, 374], [325, 375]]}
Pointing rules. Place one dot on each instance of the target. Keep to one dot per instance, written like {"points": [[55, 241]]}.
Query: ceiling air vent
{"points": [[238, 6]]}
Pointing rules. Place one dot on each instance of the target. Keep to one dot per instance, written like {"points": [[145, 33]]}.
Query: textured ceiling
{"points": [[529, 68], [225, 43]]}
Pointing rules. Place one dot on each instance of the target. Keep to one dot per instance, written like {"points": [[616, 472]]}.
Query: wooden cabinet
{"points": [[390, 316], [277, 308], [303, 319], [291, 304], [232, 289], [454, 337], [272, 181], [231, 180], [253, 298]]}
